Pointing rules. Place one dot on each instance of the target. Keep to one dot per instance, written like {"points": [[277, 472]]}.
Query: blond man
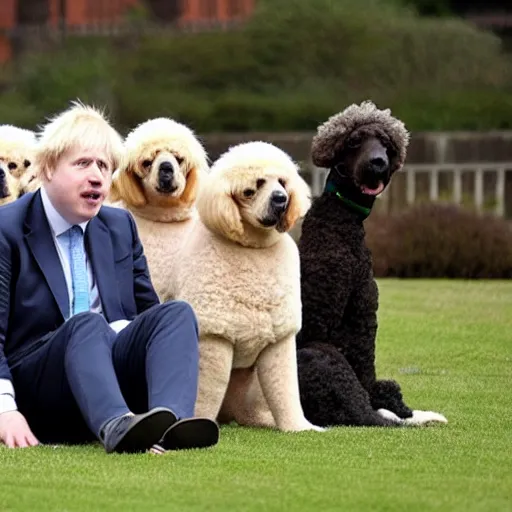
{"points": [[86, 350]]}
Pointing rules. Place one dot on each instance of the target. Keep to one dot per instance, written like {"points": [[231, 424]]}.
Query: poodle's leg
{"points": [[215, 361], [386, 394], [277, 373], [360, 336], [256, 411], [331, 393], [245, 402]]}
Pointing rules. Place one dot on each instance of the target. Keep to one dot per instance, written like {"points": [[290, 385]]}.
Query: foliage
{"points": [[440, 240], [294, 63]]}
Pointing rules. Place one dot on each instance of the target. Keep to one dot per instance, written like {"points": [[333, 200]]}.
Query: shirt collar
{"points": [[58, 224]]}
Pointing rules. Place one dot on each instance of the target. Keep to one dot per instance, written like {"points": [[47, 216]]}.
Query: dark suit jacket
{"points": [[33, 294]]}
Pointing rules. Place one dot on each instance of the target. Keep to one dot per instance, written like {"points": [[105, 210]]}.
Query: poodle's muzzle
{"points": [[4, 190], [277, 206], [166, 177], [376, 171], [376, 166]]}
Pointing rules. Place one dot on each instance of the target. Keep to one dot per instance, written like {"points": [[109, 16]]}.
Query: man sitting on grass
{"points": [[86, 350]]}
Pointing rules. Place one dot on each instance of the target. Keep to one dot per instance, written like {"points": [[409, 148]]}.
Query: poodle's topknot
{"points": [[331, 134], [16, 135]]}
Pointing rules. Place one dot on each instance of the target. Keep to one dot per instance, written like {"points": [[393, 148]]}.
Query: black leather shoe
{"points": [[135, 434], [190, 433]]}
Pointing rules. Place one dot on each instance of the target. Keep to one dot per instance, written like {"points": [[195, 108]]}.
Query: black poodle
{"points": [[362, 146]]}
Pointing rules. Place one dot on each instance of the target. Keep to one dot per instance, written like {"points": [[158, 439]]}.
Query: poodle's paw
{"points": [[425, 418], [389, 415], [316, 428], [306, 425]]}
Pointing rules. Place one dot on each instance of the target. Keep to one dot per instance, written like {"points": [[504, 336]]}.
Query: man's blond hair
{"points": [[81, 126]]}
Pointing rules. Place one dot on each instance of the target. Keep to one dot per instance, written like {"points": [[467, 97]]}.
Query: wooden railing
{"points": [[454, 191]]}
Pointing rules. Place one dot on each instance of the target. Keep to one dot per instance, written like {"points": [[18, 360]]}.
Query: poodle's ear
{"points": [[191, 188], [13, 185], [218, 209], [299, 204], [126, 187], [29, 182]]}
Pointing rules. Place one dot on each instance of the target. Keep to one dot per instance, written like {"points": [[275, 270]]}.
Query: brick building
{"points": [[77, 14]]}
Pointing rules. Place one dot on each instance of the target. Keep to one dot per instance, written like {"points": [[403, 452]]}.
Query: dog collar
{"points": [[352, 204]]}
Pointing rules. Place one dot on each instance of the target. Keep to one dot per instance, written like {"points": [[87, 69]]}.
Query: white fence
{"points": [[478, 172]]}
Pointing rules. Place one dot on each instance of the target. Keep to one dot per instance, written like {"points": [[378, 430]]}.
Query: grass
{"points": [[449, 344]]}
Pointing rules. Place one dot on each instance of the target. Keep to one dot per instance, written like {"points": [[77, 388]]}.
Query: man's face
{"points": [[79, 183]]}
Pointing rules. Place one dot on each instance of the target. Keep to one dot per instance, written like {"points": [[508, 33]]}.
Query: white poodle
{"points": [[239, 269], [157, 181], [16, 152]]}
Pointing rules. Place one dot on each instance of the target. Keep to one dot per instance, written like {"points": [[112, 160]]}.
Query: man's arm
{"points": [[5, 300], [14, 430], [145, 295], [7, 402]]}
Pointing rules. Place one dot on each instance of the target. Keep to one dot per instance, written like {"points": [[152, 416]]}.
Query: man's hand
{"points": [[15, 432]]}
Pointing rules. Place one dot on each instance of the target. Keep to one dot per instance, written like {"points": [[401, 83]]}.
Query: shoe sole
{"points": [[146, 431], [191, 433]]}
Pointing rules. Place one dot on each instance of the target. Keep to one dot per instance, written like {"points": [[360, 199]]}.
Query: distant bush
{"points": [[440, 240], [293, 64]]}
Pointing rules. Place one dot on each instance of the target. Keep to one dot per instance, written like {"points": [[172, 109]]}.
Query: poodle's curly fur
{"points": [[332, 134], [239, 270], [17, 147], [336, 346], [158, 179]]}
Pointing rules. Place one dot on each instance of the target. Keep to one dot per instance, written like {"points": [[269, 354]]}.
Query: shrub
{"points": [[440, 240]]}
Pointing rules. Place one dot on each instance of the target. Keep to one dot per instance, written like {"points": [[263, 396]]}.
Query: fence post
{"points": [[500, 192], [410, 186], [317, 181], [457, 186], [479, 188], [434, 185]]}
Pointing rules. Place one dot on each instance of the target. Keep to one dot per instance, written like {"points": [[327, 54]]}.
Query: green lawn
{"points": [[450, 346]]}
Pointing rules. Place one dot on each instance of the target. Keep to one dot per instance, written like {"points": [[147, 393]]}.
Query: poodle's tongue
{"points": [[372, 191]]}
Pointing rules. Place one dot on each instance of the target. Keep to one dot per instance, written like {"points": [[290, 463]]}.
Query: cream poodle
{"points": [[157, 181], [239, 269], [16, 151]]}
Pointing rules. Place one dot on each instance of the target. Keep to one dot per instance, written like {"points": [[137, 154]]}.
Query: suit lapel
{"points": [[99, 248], [40, 241]]}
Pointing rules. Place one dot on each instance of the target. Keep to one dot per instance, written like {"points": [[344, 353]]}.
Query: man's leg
{"points": [[74, 370], [160, 347]]}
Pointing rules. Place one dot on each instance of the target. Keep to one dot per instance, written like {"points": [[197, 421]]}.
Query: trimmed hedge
{"points": [[440, 241], [291, 66]]}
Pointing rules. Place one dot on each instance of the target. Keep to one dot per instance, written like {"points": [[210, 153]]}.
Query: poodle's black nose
{"points": [[165, 174], [278, 201], [379, 164], [2, 174], [278, 197], [166, 167]]}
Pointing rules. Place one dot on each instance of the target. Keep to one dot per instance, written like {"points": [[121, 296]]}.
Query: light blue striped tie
{"points": [[79, 274]]}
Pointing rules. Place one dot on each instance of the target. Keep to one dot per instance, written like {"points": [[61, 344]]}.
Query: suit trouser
{"points": [[86, 374]]}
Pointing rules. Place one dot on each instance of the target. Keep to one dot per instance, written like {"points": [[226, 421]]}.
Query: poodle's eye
{"points": [[26, 163], [179, 159], [12, 166], [260, 183], [392, 152], [354, 142], [147, 163], [249, 192], [282, 182]]}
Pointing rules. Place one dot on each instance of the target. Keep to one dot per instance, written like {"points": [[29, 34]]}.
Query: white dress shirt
{"points": [[59, 225]]}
